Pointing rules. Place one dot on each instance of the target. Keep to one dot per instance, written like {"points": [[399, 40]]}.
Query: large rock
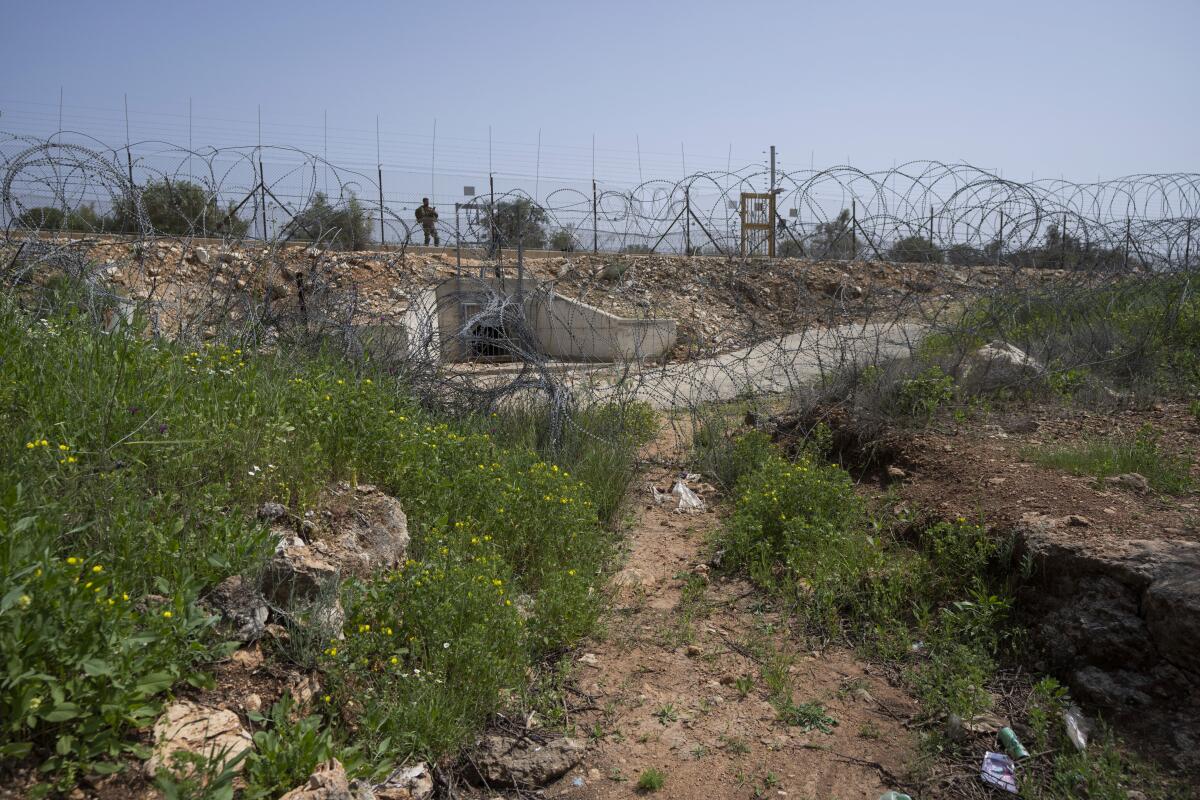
{"points": [[297, 572], [363, 529], [998, 365], [1119, 619], [1172, 608], [510, 761], [216, 734]]}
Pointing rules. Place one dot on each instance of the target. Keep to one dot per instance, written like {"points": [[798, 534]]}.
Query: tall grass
{"points": [[1106, 457]]}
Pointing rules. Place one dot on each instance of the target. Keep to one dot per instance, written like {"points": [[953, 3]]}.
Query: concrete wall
{"points": [[561, 328]]}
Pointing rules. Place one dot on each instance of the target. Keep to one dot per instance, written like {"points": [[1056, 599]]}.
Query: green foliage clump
{"points": [[651, 780], [921, 396], [800, 531], [84, 657], [518, 220], [1134, 333], [346, 227], [915, 249], [725, 456], [430, 647], [563, 239], [1106, 457], [133, 471], [181, 208], [287, 748]]}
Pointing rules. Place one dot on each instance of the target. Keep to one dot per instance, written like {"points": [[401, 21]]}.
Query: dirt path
{"points": [[667, 695]]}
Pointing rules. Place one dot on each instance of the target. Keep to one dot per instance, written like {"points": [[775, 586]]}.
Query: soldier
{"points": [[427, 215]]}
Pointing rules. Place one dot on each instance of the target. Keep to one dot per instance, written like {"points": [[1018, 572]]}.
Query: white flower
{"points": [[445, 645]]}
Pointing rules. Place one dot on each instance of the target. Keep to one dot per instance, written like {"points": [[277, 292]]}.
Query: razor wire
{"points": [[876, 263]]}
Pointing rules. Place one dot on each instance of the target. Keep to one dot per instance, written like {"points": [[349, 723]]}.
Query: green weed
{"points": [[651, 780], [132, 473]]}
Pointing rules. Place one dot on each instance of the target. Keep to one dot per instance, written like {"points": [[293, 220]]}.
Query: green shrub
{"points": [[651, 780], [799, 530], [920, 397], [1141, 332], [84, 658], [287, 748], [726, 456]]}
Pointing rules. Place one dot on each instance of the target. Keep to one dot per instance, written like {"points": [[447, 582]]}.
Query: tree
{"points": [[787, 247], [563, 239], [833, 239], [347, 228], [182, 208], [517, 220], [48, 218], [915, 249]]}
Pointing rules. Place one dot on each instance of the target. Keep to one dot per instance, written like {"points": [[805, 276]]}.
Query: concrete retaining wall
{"points": [[560, 328]]}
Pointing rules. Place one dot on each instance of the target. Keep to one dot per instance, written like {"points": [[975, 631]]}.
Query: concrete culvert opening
{"points": [[489, 341]]}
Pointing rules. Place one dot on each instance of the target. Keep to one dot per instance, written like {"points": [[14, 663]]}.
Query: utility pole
{"points": [[772, 173]]}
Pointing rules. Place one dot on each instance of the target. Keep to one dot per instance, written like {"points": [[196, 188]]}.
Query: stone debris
{"points": [[328, 782]]}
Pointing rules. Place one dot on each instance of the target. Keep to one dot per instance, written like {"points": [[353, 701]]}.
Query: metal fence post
{"points": [[687, 222], [1125, 260], [853, 228], [262, 190], [382, 234], [595, 220]]}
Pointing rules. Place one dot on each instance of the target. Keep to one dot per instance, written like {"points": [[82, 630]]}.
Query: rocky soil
{"points": [[718, 303]]}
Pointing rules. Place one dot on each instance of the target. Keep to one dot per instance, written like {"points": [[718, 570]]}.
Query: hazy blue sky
{"points": [[1080, 88]]}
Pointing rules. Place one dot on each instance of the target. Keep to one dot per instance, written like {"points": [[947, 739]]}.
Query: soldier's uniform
{"points": [[427, 216]]}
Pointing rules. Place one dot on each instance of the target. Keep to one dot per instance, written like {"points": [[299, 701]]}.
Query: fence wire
{"points": [[650, 297]]}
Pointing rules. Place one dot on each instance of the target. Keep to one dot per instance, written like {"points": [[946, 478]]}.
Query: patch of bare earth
{"points": [[665, 693]]}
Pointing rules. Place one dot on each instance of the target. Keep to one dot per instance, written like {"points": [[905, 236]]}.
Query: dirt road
{"points": [[684, 678]]}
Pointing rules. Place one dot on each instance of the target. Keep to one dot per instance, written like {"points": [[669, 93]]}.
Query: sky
{"points": [[1080, 88]]}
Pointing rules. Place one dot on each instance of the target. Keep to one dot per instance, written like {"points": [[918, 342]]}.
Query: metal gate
{"points": [[758, 224]]}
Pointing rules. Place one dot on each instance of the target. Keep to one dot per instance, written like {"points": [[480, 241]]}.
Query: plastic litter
{"points": [[659, 497], [577, 782], [688, 500], [999, 771], [1076, 728], [894, 795], [1012, 745]]}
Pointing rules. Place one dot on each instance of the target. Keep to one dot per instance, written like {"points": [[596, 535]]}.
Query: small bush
{"points": [[651, 780], [727, 456], [85, 658], [430, 647], [920, 397], [287, 749]]}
